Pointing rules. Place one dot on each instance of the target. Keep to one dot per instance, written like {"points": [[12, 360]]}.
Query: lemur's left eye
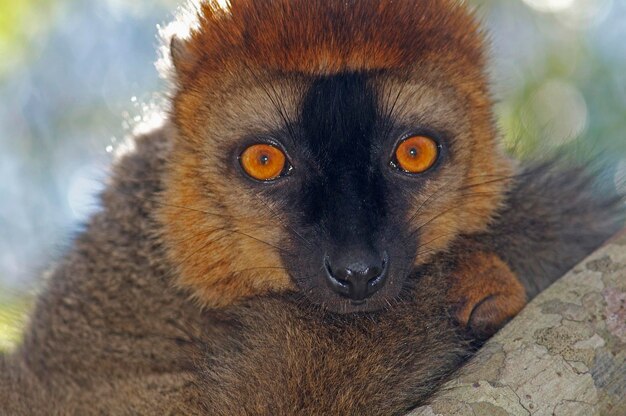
{"points": [[263, 162], [416, 154]]}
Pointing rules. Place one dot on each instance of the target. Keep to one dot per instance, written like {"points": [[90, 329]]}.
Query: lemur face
{"points": [[336, 184], [353, 195]]}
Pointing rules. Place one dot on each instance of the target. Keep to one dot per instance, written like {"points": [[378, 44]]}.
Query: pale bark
{"points": [[565, 354]]}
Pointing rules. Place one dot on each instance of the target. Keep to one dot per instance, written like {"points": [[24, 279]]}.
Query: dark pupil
{"points": [[264, 159], [413, 152]]}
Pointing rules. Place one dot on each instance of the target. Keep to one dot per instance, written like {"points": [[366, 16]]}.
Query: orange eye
{"points": [[417, 154], [263, 162]]}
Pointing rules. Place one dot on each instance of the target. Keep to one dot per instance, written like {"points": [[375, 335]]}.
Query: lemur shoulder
{"points": [[325, 225]]}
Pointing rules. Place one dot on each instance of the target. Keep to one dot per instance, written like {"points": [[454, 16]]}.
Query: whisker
{"points": [[155, 201], [305, 278], [285, 226], [212, 241], [204, 233], [193, 253], [257, 268], [498, 179], [262, 241], [436, 192]]}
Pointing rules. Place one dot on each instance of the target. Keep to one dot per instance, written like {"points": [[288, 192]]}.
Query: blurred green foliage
{"points": [[13, 316], [21, 22]]}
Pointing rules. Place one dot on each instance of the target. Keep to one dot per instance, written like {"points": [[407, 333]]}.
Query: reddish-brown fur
{"points": [[485, 293], [426, 58], [321, 37], [112, 335]]}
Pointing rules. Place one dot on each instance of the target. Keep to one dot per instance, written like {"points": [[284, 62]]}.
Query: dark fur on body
{"points": [[294, 359], [105, 327], [112, 334], [555, 213]]}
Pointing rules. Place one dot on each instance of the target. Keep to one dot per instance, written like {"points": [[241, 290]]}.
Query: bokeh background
{"points": [[77, 76]]}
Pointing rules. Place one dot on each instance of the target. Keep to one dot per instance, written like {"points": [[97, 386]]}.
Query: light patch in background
{"points": [[550, 5], [620, 178], [576, 14], [560, 110], [150, 115], [135, 8], [121, 7], [586, 13], [122, 148], [85, 184]]}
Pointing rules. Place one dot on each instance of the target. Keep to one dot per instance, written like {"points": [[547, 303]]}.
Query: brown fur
{"points": [[112, 334], [485, 292], [244, 70], [115, 332], [465, 198], [218, 243], [294, 360], [320, 37]]}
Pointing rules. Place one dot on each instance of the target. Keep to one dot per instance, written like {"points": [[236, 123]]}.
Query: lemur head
{"points": [[327, 146]]}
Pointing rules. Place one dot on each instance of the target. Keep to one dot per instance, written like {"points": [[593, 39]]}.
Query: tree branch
{"points": [[565, 354]]}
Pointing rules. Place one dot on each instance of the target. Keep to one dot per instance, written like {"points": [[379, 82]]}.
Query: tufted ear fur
{"points": [[181, 55]]}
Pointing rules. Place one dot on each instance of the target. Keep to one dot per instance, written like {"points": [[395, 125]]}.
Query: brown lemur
{"points": [[325, 225]]}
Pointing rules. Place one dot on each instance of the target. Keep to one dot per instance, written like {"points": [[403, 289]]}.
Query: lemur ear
{"points": [[180, 54]]}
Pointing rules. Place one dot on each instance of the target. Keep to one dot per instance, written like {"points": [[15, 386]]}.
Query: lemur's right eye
{"points": [[263, 162], [416, 154]]}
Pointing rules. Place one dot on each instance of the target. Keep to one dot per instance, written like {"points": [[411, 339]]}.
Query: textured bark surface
{"points": [[565, 354]]}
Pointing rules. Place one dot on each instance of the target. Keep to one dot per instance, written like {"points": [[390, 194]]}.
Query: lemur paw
{"points": [[485, 294]]}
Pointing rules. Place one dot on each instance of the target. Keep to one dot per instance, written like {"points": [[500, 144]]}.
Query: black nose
{"points": [[356, 275]]}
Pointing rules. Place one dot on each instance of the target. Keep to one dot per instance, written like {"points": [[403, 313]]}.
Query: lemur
{"points": [[326, 224]]}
